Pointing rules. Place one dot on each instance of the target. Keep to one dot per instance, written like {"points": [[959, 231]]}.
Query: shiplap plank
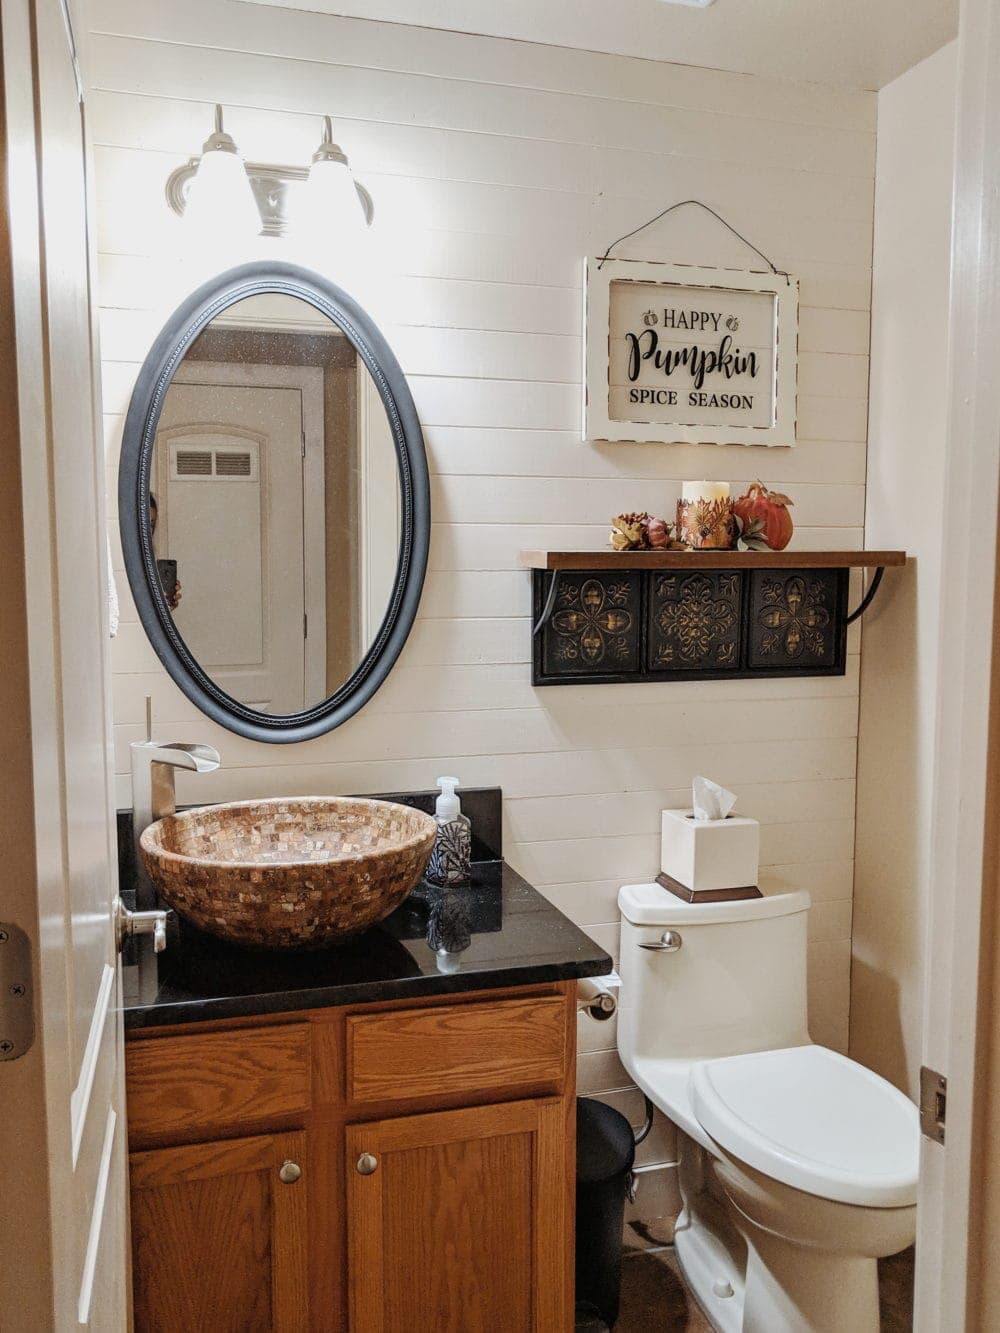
{"points": [[534, 820], [465, 451], [147, 283], [156, 124], [515, 64], [556, 727], [636, 856], [412, 211], [496, 546], [595, 902], [488, 354], [596, 499], [184, 72], [453, 687], [534, 405], [522, 776], [141, 226]]}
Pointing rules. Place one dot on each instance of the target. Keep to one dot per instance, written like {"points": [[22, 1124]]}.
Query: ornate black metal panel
{"points": [[796, 619], [603, 626], [695, 621], [594, 632]]}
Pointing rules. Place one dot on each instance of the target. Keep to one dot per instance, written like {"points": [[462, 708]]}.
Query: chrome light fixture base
{"points": [[272, 188]]}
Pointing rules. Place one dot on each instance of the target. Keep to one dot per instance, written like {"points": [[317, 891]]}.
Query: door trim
{"points": [[97, 1217], [80, 1099], [949, 1278]]}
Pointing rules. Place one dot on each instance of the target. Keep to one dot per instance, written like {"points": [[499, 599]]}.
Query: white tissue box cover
{"points": [[710, 853]]}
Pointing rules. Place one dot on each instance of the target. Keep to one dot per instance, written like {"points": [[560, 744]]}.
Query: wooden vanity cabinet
{"points": [[375, 1168]]}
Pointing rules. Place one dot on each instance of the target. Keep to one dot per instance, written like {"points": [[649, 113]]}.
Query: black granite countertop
{"points": [[499, 931]]}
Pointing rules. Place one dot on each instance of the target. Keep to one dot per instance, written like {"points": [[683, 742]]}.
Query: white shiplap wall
{"points": [[496, 166]]}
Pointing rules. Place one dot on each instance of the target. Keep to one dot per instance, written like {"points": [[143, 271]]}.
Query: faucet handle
{"points": [[197, 757]]}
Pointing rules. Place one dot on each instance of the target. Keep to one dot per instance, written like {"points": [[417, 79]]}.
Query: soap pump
{"points": [[451, 857]]}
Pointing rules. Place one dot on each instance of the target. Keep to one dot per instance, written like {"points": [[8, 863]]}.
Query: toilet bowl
{"points": [[797, 1166]]}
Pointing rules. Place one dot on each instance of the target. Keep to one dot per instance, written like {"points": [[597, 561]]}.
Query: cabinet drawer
{"points": [[216, 1080], [457, 1048]]}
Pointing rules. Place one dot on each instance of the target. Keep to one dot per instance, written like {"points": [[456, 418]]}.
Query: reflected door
{"points": [[232, 506]]}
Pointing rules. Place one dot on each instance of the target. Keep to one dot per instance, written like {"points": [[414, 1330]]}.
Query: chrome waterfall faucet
{"points": [[154, 764]]}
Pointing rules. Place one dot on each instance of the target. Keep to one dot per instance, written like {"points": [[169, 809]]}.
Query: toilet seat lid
{"points": [[814, 1120]]}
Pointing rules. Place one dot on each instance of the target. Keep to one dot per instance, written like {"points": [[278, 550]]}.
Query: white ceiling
{"points": [[852, 43]]}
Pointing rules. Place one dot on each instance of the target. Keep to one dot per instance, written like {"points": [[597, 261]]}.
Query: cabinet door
{"points": [[219, 1239], [463, 1223]]}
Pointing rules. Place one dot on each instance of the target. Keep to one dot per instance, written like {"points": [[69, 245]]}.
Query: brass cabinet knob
{"points": [[367, 1164], [289, 1173]]}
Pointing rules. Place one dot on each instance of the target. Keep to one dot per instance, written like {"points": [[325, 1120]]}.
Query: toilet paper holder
{"points": [[596, 996]]}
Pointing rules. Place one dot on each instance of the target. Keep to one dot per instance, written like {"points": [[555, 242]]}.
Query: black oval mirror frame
{"points": [[176, 336]]}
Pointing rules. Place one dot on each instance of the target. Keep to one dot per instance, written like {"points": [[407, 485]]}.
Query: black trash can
{"points": [[605, 1152]]}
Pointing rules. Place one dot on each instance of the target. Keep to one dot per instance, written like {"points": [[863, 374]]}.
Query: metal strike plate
{"points": [[933, 1104], [17, 1021]]}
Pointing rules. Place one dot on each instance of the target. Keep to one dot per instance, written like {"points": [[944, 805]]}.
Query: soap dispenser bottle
{"points": [[451, 857]]}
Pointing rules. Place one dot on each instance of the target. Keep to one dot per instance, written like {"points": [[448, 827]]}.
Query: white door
{"points": [[63, 1217], [232, 503]]}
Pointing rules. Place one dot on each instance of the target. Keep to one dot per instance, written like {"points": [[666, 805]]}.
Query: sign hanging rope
{"points": [[696, 203]]}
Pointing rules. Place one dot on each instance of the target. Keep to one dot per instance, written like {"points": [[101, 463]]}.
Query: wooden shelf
{"points": [[581, 560]]}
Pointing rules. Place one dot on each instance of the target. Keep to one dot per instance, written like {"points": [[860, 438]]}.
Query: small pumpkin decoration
{"points": [[764, 519], [628, 532], [641, 532]]}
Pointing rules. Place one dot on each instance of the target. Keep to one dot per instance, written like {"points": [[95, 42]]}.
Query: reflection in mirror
{"points": [[275, 504]]}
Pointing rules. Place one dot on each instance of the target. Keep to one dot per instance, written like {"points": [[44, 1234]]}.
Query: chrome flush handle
{"points": [[669, 942]]}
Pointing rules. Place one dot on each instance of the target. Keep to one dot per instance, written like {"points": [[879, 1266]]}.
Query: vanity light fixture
{"points": [[219, 197], [277, 191], [332, 202]]}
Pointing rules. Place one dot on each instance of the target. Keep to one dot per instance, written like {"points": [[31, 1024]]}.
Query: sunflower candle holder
{"points": [[705, 519]]}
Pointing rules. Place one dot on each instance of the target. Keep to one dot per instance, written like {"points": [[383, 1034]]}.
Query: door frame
{"points": [[378, 488], [955, 1190]]}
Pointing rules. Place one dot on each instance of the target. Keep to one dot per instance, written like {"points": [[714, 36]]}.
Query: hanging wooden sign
{"points": [[689, 355]]}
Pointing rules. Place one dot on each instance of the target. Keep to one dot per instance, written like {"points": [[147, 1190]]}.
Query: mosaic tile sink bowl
{"points": [[288, 874]]}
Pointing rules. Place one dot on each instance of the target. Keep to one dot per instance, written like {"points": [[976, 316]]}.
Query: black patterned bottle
{"points": [[451, 858]]}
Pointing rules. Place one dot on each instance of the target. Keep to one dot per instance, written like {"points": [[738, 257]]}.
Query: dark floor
{"points": [[655, 1299]]}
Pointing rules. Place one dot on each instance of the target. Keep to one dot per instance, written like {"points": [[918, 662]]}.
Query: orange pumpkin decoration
{"points": [[766, 513]]}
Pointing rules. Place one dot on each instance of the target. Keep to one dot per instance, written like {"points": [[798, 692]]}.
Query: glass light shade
{"points": [[330, 209], [220, 198]]}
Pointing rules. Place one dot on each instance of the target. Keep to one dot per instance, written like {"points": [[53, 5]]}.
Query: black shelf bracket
{"points": [[550, 605], [868, 598]]}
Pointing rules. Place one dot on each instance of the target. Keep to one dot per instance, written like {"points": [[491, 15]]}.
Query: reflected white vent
{"points": [[193, 463], [217, 462], [233, 465]]}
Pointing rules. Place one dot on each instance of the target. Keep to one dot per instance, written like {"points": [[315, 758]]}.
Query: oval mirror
{"points": [[274, 502]]}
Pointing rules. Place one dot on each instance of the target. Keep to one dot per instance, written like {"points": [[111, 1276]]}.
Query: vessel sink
{"points": [[288, 874]]}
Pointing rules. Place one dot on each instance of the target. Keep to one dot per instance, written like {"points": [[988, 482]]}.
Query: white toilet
{"points": [[798, 1167]]}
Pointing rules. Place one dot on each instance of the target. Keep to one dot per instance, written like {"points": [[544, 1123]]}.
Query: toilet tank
{"points": [[736, 984]]}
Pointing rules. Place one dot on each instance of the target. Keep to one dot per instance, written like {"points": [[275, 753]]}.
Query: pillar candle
{"points": [[705, 516], [705, 490]]}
